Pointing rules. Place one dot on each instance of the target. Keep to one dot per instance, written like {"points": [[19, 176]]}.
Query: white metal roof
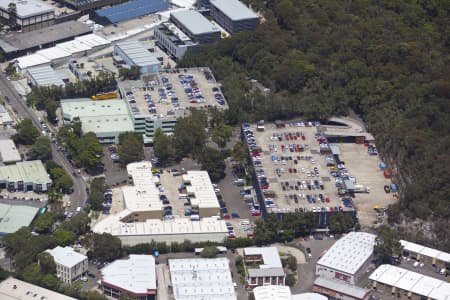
{"points": [[308, 296], [15, 289], [234, 9], [32, 60], [66, 256], [200, 187], [5, 118], [27, 8], [349, 253], [73, 46], [54, 53], [342, 287], [136, 274], [270, 256], [194, 21], [93, 40], [136, 52], [44, 76], [272, 292], [425, 251], [201, 278], [412, 282], [8, 151]]}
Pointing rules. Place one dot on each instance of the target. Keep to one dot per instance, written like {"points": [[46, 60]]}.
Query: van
{"points": [[78, 209], [442, 271]]}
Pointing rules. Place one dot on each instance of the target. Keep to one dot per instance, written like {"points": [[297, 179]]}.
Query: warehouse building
{"points": [[5, 117], [15, 289], [18, 44], [201, 278], [174, 41], [43, 76], [281, 292], [337, 289], [233, 15], [30, 14], [134, 53], [134, 277], [196, 26], [201, 193], [128, 11], [8, 152], [348, 259], [106, 118], [439, 259], [269, 270], [14, 217], [70, 265], [404, 284], [25, 176]]}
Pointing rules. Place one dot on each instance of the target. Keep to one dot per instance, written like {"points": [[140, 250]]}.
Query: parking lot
{"points": [[292, 173]]}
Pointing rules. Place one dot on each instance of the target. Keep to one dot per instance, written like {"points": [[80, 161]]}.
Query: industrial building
{"points": [[25, 176], [426, 255], [29, 15], [133, 277], [174, 41], [8, 152], [269, 271], [70, 265], [201, 193], [5, 117], [196, 26], [281, 292], [128, 11], [44, 76], [201, 278], [337, 289], [18, 44], [106, 118], [348, 258], [403, 284], [233, 15], [15, 289], [135, 53], [13, 217]]}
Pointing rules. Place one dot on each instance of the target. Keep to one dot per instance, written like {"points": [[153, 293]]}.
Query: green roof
{"points": [[13, 217]]}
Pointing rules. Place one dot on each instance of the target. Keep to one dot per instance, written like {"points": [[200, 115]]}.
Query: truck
{"points": [[105, 96]]}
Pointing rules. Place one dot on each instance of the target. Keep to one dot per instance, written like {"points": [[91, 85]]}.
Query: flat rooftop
{"points": [[13, 217], [412, 282], [103, 116], [270, 256], [201, 278], [28, 8], [176, 35], [26, 171], [138, 53], [66, 256], [341, 287], [135, 274], [44, 36], [15, 289], [349, 253], [425, 251], [9, 152], [4, 115], [199, 185], [272, 292], [234, 9], [194, 21]]}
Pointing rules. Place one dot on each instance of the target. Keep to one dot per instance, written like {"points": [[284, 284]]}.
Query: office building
{"points": [[174, 41], [135, 53], [106, 118], [15, 289], [201, 278], [426, 255], [134, 277], [400, 283], [14, 217], [29, 15], [25, 176], [8, 152], [233, 15], [338, 289], [196, 26], [269, 270], [70, 265], [348, 259]]}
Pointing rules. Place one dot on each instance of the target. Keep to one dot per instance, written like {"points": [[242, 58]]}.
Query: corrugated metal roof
{"points": [[27, 8], [138, 53], [13, 217], [45, 76], [194, 21], [234, 9], [26, 171], [341, 287]]}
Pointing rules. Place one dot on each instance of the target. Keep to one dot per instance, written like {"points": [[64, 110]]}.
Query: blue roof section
{"points": [[133, 9]]}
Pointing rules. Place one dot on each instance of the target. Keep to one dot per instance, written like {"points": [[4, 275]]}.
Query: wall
{"points": [[169, 238]]}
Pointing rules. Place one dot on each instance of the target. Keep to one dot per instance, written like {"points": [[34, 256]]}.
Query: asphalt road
{"points": [[79, 195]]}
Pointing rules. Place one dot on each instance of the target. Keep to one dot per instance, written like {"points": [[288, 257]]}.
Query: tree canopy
{"points": [[40, 150], [131, 147], [26, 133]]}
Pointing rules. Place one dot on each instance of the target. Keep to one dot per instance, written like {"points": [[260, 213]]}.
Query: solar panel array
{"points": [[132, 9]]}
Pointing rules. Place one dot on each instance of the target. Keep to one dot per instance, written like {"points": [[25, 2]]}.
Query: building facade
{"points": [[337, 289], [174, 41], [70, 265], [26, 15], [269, 270], [426, 255], [25, 176], [233, 15], [134, 53], [148, 124], [196, 26]]}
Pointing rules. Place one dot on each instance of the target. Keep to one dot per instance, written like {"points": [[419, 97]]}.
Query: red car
{"points": [[327, 199], [226, 216], [231, 236], [256, 213]]}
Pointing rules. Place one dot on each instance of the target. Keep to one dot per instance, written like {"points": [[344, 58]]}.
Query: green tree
{"points": [[92, 295], [32, 273], [89, 156], [209, 252], [46, 263], [290, 279], [96, 193], [61, 181], [26, 133], [64, 237], [131, 147], [44, 223], [76, 127], [189, 134], [222, 134], [341, 223], [163, 147], [49, 281], [41, 149], [10, 69], [213, 162], [106, 247], [387, 245], [78, 224]]}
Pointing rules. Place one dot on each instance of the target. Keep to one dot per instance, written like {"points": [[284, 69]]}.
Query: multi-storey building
{"points": [[233, 15], [70, 265]]}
